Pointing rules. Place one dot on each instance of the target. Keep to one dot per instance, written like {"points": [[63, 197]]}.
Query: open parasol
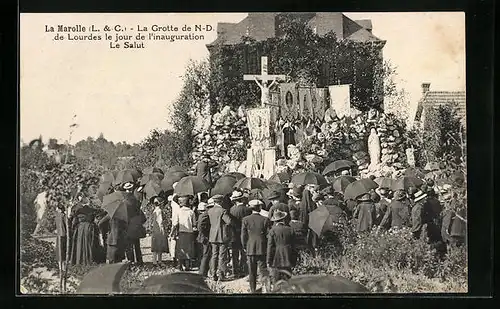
{"points": [[150, 177], [359, 187], [153, 170], [340, 183], [170, 178], [320, 220], [128, 175], [224, 185], [250, 183], [119, 206], [191, 185], [280, 178], [236, 175], [337, 166], [384, 182], [152, 189], [175, 283], [311, 178], [403, 183]]}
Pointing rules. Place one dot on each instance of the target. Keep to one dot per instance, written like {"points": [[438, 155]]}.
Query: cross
{"points": [[262, 81]]}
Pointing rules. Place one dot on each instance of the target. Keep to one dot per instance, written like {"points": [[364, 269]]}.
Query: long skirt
{"points": [[184, 249], [85, 248], [159, 243]]}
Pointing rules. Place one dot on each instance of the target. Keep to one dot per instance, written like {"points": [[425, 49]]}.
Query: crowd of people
{"points": [[241, 233]]}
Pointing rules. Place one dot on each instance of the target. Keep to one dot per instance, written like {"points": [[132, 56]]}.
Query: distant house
{"points": [[433, 99], [263, 26]]}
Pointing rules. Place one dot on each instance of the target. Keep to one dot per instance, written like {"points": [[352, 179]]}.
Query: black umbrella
{"points": [[224, 185], [153, 170], [128, 175], [175, 283], [306, 178], [280, 178], [170, 178], [406, 182], [250, 183], [337, 166], [191, 185], [340, 183], [236, 175], [150, 177], [359, 187], [119, 206]]}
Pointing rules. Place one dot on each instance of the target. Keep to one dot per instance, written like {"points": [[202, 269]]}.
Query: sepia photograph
{"points": [[242, 153]]}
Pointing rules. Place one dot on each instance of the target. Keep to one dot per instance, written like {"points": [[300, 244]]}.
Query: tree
{"points": [[303, 55]]}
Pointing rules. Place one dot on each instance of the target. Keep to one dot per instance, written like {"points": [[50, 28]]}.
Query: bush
{"points": [[389, 261], [36, 253]]}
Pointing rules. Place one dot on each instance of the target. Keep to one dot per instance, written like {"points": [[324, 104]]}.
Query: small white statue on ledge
{"points": [[374, 149]]}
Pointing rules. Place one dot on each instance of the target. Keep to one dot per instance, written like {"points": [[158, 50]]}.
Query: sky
{"points": [[126, 93]]}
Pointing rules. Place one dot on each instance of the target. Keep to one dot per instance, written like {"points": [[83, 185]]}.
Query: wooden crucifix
{"points": [[262, 81]]}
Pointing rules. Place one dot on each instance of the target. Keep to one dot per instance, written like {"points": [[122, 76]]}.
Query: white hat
{"points": [[236, 195], [255, 202], [202, 206], [128, 186]]}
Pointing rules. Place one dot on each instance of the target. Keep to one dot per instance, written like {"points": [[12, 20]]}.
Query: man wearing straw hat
{"points": [[254, 229], [238, 211]]}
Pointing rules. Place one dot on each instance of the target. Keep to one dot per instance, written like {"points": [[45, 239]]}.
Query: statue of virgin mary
{"points": [[374, 149]]}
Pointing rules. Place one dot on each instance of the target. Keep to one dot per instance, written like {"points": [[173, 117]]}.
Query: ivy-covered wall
{"points": [[305, 57]]}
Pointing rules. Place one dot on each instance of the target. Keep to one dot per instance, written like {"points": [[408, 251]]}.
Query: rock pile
{"points": [[225, 140]]}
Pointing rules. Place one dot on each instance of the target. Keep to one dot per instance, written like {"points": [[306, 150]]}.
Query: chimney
{"points": [[425, 88]]}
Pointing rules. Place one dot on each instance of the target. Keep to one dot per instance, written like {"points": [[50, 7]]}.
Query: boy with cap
{"points": [[219, 237], [277, 203], [254, 229], [238, 211], [281, 252]]}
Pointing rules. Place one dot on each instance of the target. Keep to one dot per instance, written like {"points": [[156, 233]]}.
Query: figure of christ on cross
{"points": [[262, 81]]}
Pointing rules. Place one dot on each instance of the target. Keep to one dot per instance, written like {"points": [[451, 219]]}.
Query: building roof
{"points": [[434, 99], [262, 26]]}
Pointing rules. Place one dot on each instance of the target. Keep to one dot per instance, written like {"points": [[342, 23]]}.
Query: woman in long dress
{"points": [[159, 243], [85, 249], [183, 227]]}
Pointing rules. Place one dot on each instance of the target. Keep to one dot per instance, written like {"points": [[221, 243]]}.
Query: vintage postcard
{"points": [[241, 153]]}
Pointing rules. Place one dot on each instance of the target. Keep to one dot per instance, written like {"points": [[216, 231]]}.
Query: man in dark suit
{"points": [[281, 251], [136, 229], [254, 230], [238, 211], [219, 237], [203, 236]]}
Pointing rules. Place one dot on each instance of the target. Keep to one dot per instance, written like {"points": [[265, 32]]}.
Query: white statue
{"points": [[374, 149], [265, 97]]}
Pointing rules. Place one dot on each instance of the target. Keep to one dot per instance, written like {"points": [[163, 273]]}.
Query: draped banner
{"points": [[261, 125], [340, 99], [289, 101], [320, 104], [306, 106]]}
